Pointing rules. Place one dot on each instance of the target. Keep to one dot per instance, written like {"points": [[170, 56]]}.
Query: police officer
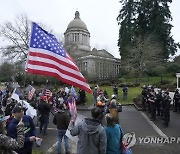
{"points": [[152, 101], [144, 97], [176, 100], [167, 103], [158, 101]]}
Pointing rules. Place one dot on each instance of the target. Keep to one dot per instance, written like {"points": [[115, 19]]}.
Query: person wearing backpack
{"points": [[114, 135], [113, 109]]}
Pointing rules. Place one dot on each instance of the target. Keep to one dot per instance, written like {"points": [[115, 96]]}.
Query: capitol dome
{"points": [[77, 22], [77, 34]]}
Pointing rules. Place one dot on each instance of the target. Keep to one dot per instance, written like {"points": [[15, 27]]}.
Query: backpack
{"points": [[114, 112]]}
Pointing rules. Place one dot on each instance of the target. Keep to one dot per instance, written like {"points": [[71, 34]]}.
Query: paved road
{"points": [[138, 122]]}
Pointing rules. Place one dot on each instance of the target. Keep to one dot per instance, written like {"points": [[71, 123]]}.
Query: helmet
{"points": [[99, 103], [113, 96]]}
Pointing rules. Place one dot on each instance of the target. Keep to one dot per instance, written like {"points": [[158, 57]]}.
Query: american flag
{"points": [[48, 93], [48, 57], [31, 91], [72, 105]]}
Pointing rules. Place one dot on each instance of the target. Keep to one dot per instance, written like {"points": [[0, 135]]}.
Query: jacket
{"points": [[8, 145], [29, 130], [114, 139], [92, 137], [44, 108], [61, 119]]}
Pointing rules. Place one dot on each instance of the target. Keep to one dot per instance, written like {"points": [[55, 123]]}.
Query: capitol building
{"points": [[94, 64]]}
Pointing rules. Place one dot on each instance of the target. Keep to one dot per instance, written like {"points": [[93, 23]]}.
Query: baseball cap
{"points": [[3, 118], [17, 109]]}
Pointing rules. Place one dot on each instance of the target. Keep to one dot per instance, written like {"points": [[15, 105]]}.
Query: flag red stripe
{"points": [[35, 54], [34, 71], [57, 68]]}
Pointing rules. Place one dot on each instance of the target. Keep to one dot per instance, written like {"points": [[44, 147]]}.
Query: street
{"points": [[135, 121]]}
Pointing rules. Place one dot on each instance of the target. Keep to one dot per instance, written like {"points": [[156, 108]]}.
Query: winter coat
{"points": [[92, 137], [61, 119], [8, 145], [114, 139]]}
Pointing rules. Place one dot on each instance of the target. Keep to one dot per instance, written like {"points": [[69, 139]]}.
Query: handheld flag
{"points": [[48, 57], [31, 91], [74, 93], [15, 95]]}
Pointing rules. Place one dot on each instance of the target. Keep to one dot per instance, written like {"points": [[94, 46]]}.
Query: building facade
{"points": [[94, 64]]}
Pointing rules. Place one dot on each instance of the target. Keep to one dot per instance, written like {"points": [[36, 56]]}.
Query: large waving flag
{"points": [[48, 57]]}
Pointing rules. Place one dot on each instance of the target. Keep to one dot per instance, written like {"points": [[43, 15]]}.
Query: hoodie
{"points": [[92, 137]]}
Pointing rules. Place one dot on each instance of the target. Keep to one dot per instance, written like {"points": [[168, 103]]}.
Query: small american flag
{"points": [[48, 57], [72, 105], [48, 93], [31, 91]]}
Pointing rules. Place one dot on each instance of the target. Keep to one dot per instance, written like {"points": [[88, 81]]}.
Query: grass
{"points": [[132, 93]]}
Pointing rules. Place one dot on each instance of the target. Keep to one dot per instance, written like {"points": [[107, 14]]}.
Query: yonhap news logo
{"points": [[130, 139]]}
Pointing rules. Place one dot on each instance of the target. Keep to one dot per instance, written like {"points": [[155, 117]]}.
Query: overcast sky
{"points": [[98, 15]]}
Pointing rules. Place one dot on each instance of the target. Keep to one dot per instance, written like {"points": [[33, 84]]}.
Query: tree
{"points": [[7, 72], [126, 20], [143, 18], [17, 35], [144, 56]]}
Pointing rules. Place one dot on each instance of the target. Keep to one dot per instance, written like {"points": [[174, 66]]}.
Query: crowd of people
{"points": [[158, 103], [18, 132]]}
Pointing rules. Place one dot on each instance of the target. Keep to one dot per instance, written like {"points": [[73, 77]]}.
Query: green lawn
{"points": [[132, 93]]}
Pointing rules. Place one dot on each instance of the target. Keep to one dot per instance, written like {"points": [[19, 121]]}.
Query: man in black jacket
{"points": [[62, 119], [44, 110]]}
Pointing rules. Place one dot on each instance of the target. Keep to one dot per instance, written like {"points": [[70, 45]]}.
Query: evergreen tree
{"points": [[146, 17], [126, 20]]}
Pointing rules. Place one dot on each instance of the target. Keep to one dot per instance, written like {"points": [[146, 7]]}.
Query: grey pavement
{"points": [[131, 120]]}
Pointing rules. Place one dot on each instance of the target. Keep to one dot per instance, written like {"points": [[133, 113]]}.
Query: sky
{"points": [[99, 16]]}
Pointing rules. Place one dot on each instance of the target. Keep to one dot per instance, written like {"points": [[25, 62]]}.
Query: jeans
{"points": [[44, 120], [61, 134]]}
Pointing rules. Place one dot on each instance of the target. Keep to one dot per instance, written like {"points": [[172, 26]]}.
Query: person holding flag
{"points": [[71, 104]]}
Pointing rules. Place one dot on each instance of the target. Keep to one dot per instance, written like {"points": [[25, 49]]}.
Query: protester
{"points": [[113, 109], [114, 135], [115, 90], [29, 130], [8, 145], [95, 95], [44, 110], [82, 96], [62, 119], [125, 92], [92, 136]]}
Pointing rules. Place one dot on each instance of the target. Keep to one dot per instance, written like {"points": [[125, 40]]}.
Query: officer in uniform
{"points": [[152, 101], [144, 97], [158, 101], [176, 101], [147, 97], [167, 103]]}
